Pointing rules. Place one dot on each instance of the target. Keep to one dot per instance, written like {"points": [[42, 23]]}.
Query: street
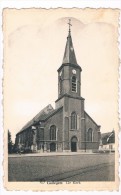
{"points": [[81, 167]]}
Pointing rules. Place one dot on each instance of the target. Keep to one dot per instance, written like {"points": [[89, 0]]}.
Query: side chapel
{"points": [[68, 127]]}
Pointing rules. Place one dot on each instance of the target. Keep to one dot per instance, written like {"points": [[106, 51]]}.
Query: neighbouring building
{"points": [[68, 127], [108, 141]]}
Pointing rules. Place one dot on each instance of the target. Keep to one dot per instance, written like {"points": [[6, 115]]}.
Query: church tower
{"points": [[69, 97], [69, 74]]}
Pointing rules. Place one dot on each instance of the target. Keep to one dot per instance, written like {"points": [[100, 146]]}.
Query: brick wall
{"points": [[56, 120], [89, 123]]}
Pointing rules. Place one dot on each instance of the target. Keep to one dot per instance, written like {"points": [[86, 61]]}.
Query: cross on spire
{"points": [[69, 54], [69, 23]]}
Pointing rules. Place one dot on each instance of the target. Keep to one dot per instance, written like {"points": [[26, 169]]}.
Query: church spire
{"points": [[69, 24], [69, 55]]}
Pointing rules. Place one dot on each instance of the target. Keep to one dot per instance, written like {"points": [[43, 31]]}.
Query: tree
{"points": [[10, 144]]}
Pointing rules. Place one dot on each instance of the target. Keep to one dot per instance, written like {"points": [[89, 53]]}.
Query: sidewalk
{"points": [[46, 154]]}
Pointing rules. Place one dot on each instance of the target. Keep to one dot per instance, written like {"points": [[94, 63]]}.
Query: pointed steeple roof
{"points": [[69, 55], [69, 58]]}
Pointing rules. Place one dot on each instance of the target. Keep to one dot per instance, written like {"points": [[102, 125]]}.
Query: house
{"points": [[108, 141]]}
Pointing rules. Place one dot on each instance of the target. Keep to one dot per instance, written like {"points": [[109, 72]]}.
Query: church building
{"points": [[68, 127]]}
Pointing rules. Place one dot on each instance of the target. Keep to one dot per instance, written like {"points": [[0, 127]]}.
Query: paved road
{"points": [[97, 167], [101, 173]]}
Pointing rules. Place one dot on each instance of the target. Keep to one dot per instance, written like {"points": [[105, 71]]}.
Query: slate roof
{"points": [[47, 116], [69, 55], [43, 115], [69, 58], [108, 138]]}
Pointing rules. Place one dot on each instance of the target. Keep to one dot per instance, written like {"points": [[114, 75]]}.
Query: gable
{"points": [[108, 138], [90, 120]]}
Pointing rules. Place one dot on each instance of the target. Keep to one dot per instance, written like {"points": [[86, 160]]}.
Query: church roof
{"points": [[53, 112], [43, 115], [69, 55]]}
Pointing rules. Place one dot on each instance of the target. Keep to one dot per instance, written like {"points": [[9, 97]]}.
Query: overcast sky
{"points": [[34, 44]]}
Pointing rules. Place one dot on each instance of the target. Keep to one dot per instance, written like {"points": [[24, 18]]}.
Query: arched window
{"points": [[74, 84], [60, 86], [90, 135], [73, 120], [53, 132]]}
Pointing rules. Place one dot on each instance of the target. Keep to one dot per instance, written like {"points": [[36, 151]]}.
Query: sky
{"points": [[34, 44]]}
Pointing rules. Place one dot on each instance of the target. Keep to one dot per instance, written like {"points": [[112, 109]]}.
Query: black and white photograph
{"points": [[61, 97]]}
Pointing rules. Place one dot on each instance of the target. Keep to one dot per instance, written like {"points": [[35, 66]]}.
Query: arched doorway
{"points": [[53, 147], [74, 144]]}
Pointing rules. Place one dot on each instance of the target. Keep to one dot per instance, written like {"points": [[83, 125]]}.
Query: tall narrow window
{"points": [[53, 132], [73, 120], [74, 84], [90, 135], [60, 86]]}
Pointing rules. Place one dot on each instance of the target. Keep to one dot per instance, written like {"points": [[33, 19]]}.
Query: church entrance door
{"points": [[52, 147], [74, 144]]}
